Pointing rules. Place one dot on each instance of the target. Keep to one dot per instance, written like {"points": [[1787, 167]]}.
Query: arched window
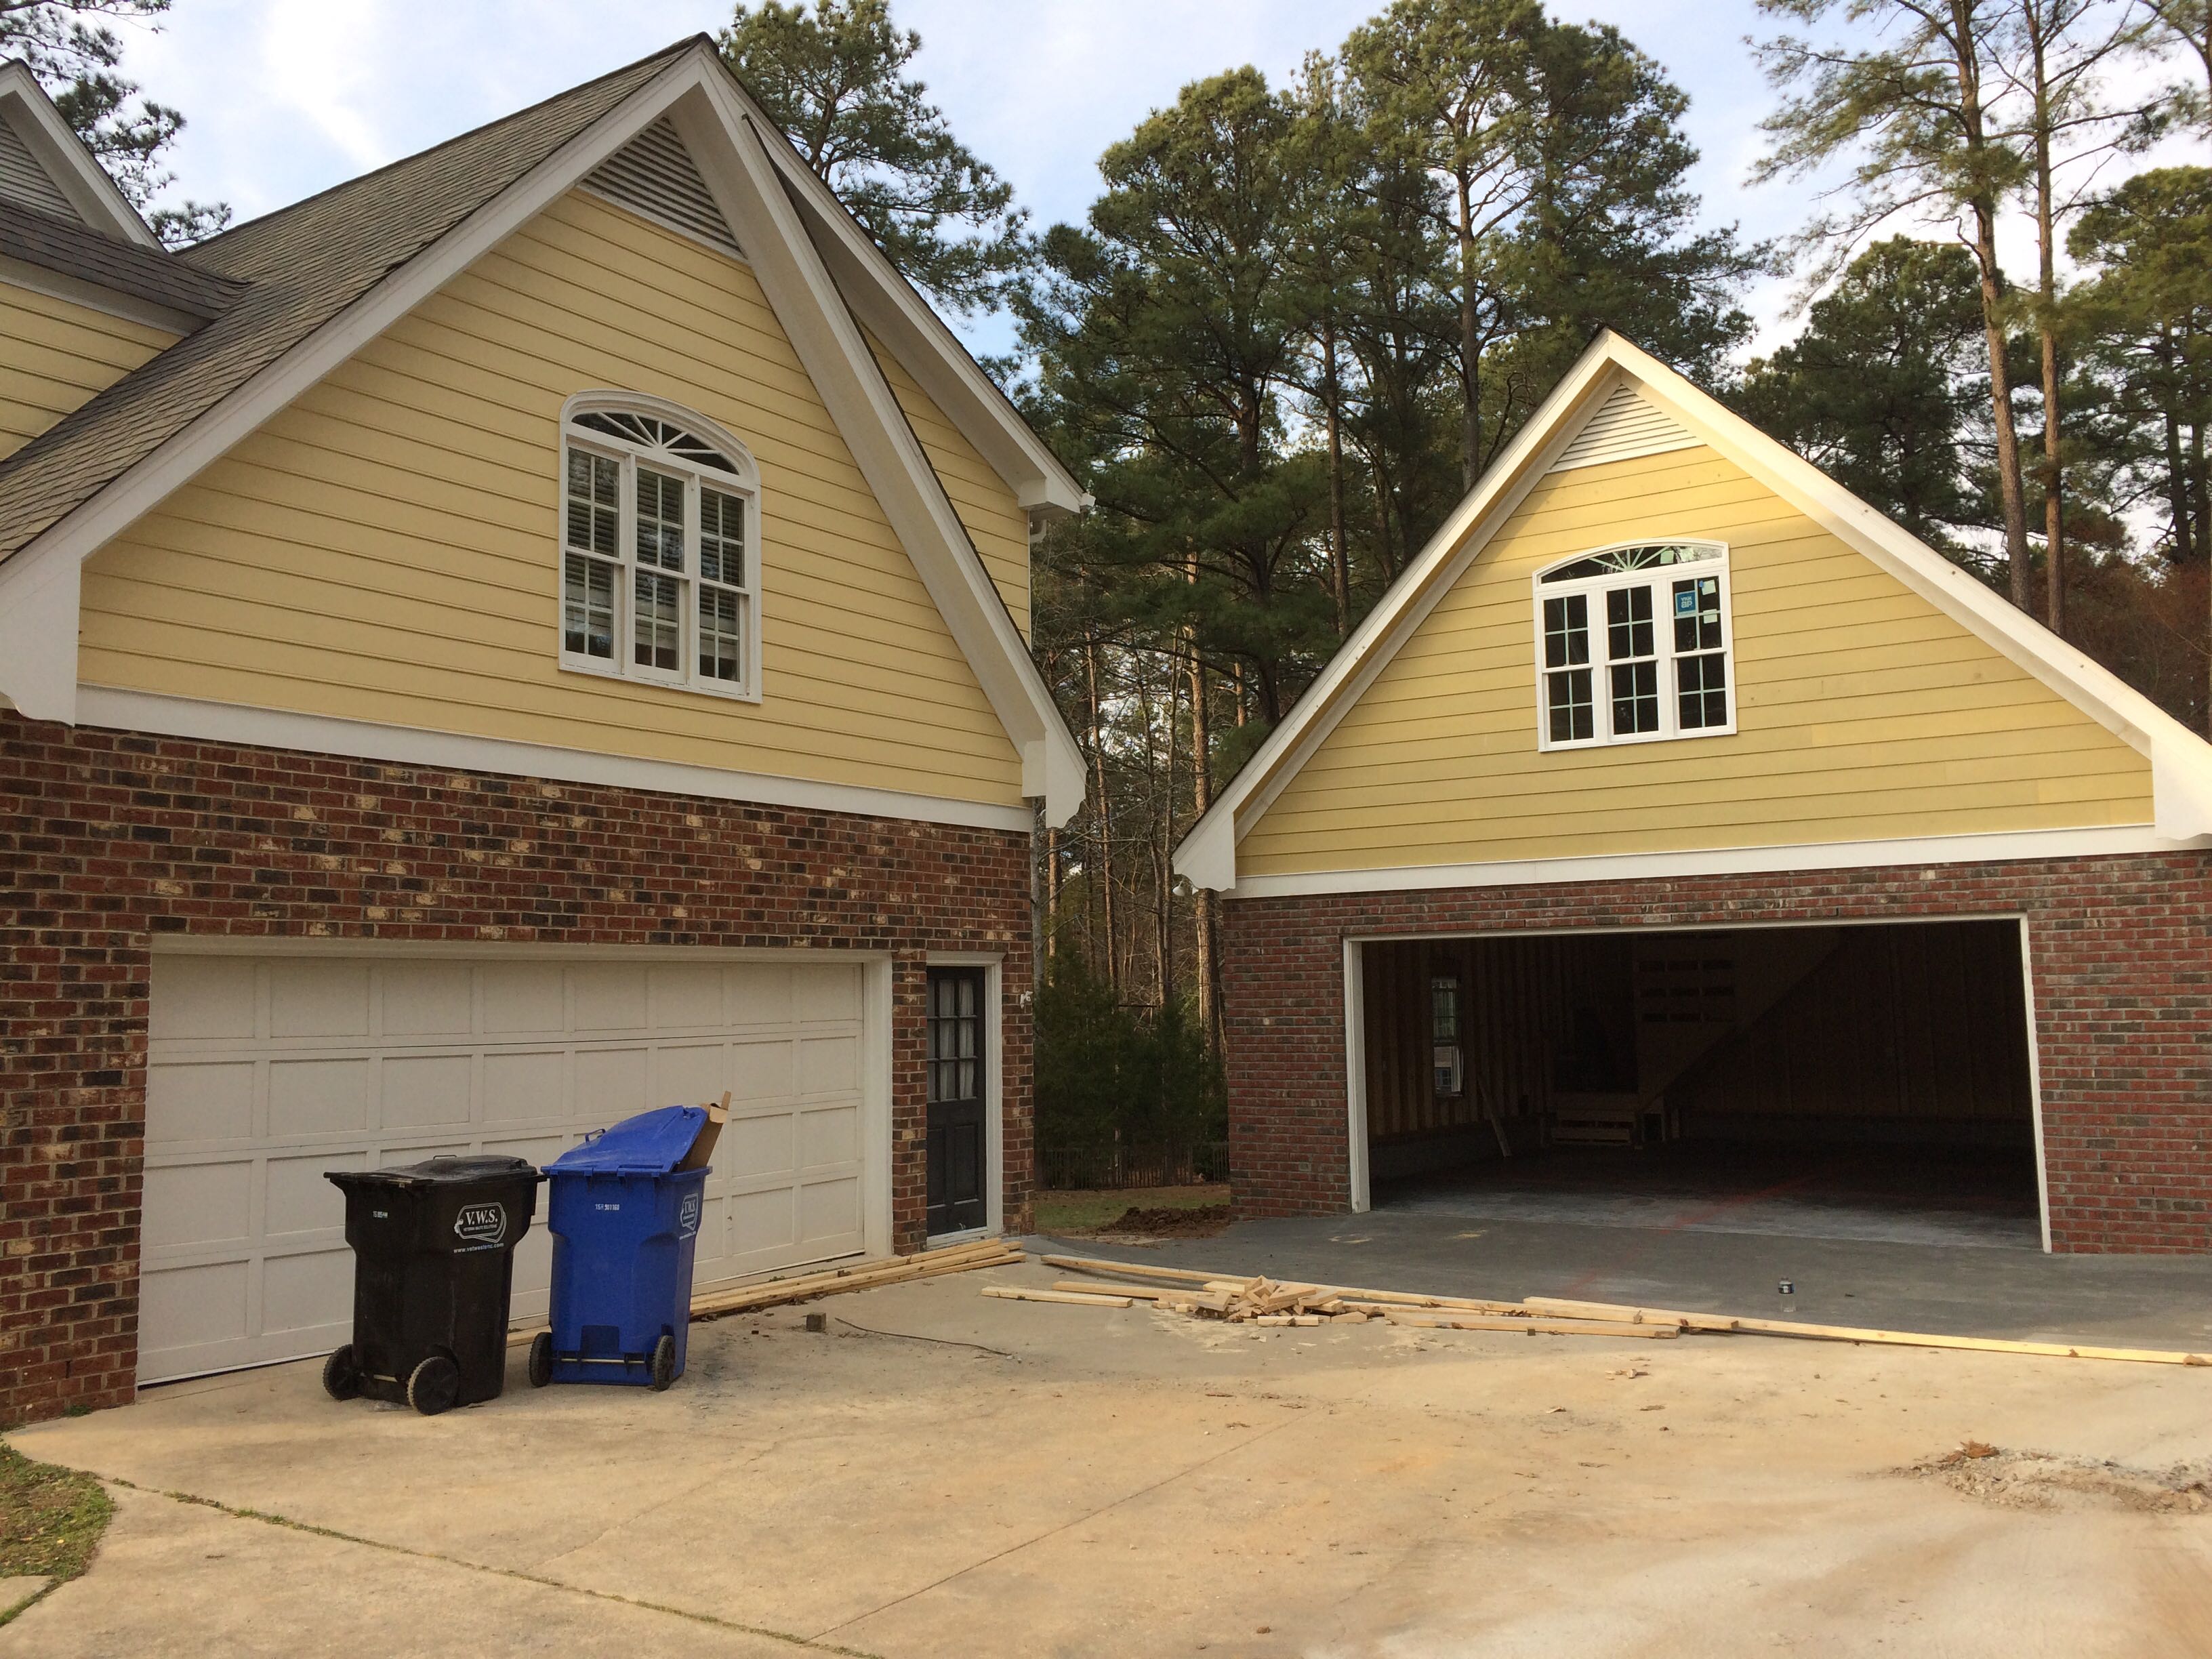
{"points": [[660, 546], [1659, 611]]}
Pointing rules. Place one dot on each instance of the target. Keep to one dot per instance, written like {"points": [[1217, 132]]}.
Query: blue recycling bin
{"points": [[623, 1210]]}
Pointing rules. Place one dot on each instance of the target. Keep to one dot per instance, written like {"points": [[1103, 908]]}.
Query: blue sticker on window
{"points": [[1685, 603]]}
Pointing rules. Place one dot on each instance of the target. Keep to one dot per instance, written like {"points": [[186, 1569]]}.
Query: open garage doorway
{"points": [[1863, 1081]]}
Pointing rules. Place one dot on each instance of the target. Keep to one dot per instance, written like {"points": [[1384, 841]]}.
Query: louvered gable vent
{"points": [[22, 179], [1625, 425], [654, 175]]}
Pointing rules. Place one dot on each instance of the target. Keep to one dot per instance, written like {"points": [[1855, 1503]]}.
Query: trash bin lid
{"points": [[652, 1143], [445, 1169]]}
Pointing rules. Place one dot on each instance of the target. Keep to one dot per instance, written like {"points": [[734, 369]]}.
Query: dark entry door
{"points": [[956, 1159]]}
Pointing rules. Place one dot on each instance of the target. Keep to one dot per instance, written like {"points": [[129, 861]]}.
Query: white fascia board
{"points": [[1914, 852], [1206, 854], [411, 745], [887, 305], [114, 509], [24, 105], [731, 151]]}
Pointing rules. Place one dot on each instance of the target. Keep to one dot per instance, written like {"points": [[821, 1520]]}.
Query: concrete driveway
{"points": [[1000, 1478]]}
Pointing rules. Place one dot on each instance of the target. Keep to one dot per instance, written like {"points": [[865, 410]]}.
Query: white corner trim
{"points": [[1726, 861], [38, 638], [24, 105], [734, 157], [408, 745]]}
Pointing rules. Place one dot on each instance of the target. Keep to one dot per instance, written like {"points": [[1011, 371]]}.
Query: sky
{"points": [[284, 98]]}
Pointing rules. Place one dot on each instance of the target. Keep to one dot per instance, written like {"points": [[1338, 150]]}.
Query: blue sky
{"points": [[285, 97]]}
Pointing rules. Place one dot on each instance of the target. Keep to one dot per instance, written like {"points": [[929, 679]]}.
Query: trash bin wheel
{"points": [[664, 1363], [541, 1359], [342, 1375], [434, 1386]]}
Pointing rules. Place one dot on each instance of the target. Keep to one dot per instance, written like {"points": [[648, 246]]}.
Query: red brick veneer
{"points": [[2120, 950], [108, 838]]}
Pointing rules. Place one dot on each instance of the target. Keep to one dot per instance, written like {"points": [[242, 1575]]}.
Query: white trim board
{"points": [[1723, 862], [2181, 760], [408, 745]]}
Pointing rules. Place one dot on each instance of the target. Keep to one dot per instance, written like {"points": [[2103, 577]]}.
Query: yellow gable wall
{"points": [[385, 549], [55, 353], [994, 519], [1863, 712]]}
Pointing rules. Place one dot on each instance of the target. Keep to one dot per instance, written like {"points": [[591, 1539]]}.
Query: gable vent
{"points": [[654, 175], [22, 179], [1624, 426]]}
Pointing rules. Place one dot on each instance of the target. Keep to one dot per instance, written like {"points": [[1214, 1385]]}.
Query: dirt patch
{"points": [[1203, 1221], [2047, 1481], [50, 1519]]}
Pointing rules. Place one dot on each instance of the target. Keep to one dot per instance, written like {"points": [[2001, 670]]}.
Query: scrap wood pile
{"points": [[1256, 1300]]}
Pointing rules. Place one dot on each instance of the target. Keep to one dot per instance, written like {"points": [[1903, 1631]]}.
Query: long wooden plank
{"points": [[1141, 1270], [1022, 1293], [1896, 1339], [1573, 1310], [1526, 1325]]}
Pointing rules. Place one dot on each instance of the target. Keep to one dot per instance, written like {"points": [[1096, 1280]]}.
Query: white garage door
{"points": [[264, 1072]]}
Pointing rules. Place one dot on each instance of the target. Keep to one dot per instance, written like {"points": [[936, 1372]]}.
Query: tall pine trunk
{"points": [[1339, 549], [2054, 522], [1101, 808], [1973, 120], [1201, 800], [1470, 347]]}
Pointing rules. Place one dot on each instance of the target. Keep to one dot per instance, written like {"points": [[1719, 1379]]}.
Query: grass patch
{"points": [[50, 1519], [1086, 1211]]}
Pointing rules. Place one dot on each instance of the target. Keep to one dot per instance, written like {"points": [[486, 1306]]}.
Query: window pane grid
{"points": [[628, 529], [1631, 651], [660, 617], [1665, 672]]}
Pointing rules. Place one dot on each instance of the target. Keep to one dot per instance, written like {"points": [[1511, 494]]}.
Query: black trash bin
{"points": [[434, 1263]]}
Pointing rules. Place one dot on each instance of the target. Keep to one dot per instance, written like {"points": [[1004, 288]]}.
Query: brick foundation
{"points": [[107, 839], [2120, 957]]}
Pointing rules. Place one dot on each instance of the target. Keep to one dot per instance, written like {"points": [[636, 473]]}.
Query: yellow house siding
{"points": [[55, 354], [994, 519], [1863, 713], [385, 549]]}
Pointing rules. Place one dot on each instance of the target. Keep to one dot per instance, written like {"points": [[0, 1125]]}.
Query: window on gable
{"points": [[660, 560], [1658, 611]]}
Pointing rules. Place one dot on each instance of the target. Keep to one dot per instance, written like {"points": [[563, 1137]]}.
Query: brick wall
{"points": [[107, 839], [2120, 954]]}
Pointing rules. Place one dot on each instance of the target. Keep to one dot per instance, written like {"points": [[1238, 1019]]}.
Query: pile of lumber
{"points": [[861, 1276], [1257, 1300], [1251, 1299]]}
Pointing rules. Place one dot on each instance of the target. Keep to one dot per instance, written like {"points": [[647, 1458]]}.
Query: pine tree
{"points": [[835, 80]]}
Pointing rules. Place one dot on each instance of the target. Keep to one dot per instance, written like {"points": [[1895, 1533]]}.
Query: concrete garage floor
{"points": [[1047, 1480]]}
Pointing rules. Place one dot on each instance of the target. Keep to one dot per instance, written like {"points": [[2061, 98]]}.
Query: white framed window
{"points": [[660, 546], [1633, 644]]}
